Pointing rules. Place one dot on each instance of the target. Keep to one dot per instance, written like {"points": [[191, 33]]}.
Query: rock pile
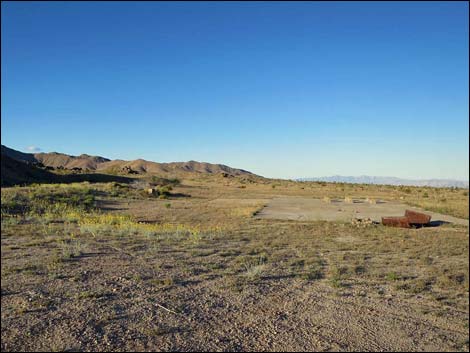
{"points": [[362, 222], [128, 170]]}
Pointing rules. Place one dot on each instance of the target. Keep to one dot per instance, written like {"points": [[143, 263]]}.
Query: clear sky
{"points": [[283, 89]]}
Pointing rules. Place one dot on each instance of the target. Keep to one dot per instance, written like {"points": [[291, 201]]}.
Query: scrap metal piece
{"points": [[411, 219], [417, 217], [401, 222]]}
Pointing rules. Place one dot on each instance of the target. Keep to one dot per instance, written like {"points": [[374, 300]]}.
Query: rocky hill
{"points": [[18, 172], [34, 162]]}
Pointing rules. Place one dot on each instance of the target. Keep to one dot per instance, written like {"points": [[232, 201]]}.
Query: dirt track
{"points": [[310, 209]]}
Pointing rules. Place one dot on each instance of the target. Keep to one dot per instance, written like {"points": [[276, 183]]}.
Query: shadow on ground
{"points": [[436, 223]]}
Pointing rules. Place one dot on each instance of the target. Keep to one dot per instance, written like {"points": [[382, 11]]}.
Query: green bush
{"points": [[39, 200]]}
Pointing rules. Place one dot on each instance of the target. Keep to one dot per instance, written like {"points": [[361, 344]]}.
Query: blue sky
{"points": [[283, 89]]}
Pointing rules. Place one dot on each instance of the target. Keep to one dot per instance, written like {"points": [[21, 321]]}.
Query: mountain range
{"points": [[365, 179], [19, 167]]}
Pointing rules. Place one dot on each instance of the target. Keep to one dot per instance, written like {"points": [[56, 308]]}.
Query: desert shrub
{"points": [[254, 266], [359, 269], [71, 248], [116, 189], [97, 223], [155, 181], [446, 281], [339, 271], [14, 202], [164, 190], [48, 200], [313, 273], [419, 286], [392, 276], [297, 264]]}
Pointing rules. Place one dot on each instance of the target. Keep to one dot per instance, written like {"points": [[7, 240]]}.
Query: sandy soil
{"points": [[310, 209], [293, 284], [108, 300]]}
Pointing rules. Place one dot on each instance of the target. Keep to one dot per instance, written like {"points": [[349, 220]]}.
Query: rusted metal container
{"points": [[417, 217], [401, 222]]}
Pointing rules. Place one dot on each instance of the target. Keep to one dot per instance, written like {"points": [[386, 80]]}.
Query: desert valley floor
{"points": [[229, 264]]}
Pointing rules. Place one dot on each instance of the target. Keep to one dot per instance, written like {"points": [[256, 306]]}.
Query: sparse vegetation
{"points": [[90, 258]]}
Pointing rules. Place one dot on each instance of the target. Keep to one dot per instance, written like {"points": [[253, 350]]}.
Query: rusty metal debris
{"points": [[401, 222], [417, 218], [411, 219]]}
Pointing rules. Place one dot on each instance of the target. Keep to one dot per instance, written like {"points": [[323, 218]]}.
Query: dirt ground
{"points": [[310, 209], [253, 284]]}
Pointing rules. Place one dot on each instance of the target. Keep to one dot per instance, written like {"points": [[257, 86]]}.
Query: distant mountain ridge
{"points": [[100, 164], [365, 179]]}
